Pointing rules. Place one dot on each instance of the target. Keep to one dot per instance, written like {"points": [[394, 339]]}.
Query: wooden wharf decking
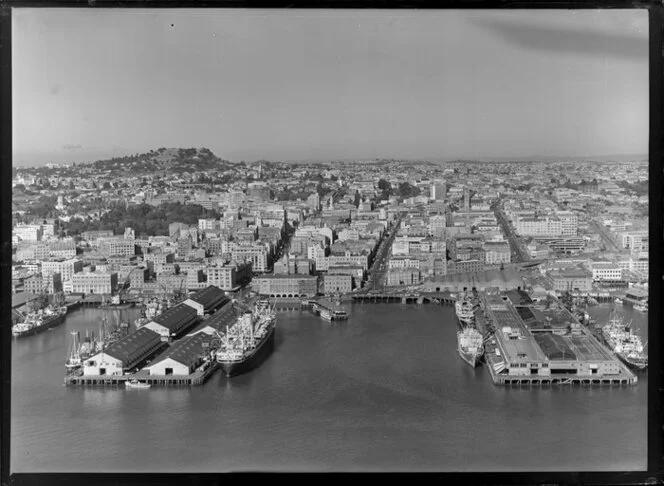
{"points": [[404, 297], [196, 378]]}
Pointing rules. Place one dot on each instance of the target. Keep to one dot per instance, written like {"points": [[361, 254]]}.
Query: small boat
{"points": [[73, 356], [641, 307], [618, 301], [326, 314], [135, 384]]}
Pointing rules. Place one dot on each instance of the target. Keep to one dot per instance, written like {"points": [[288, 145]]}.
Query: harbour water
{"points": [[383, 391]]}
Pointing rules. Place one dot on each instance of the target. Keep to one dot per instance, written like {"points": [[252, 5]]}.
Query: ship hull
{"points": [[633, 365], [48, 324], [252, 360], [472, 359]]}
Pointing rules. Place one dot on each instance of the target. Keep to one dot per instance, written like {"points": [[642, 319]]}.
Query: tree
{"points": [[384, 185]]}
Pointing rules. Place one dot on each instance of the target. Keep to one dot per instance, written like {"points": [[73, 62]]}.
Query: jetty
{"points": [[198, 377], [404, 297]]}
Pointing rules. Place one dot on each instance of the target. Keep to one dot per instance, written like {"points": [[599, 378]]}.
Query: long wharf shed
{"points": [[182, 358], [217, 322], [174, 322], [207, 300], [125, 354]]}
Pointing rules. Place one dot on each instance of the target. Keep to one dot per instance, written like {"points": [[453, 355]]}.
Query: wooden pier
{"points": [[404, 298]]}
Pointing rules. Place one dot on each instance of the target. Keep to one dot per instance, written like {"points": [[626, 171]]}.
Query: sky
{"points": [[329, 84]]}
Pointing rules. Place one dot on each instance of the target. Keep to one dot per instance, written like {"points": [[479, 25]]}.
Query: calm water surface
{"points": [[384, 391]]}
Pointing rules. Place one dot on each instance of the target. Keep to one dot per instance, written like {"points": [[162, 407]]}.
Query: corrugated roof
{"points": [[186, 351], [220, 320], [554, 346], [127, 347], [209, 296], [176, 317]]}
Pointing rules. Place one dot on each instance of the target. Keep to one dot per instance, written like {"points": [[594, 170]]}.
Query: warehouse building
{"points": [[207, 300], [182, 358], [124, 355], [174, 322], [217, 322]]}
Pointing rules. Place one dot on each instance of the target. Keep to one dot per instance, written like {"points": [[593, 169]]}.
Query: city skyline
{"points": [[326, 85]]}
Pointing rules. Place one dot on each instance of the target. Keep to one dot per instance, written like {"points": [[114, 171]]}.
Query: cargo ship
{"points": [[465, 311], [625, 343], [40, 321], [248, 341], [470, 344]]}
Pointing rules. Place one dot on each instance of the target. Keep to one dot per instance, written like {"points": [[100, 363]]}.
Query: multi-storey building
{"points": [[28, 232], [62, 249], [227, 277], [66, 268], [569, 222], [286, 285], [95, 282], [496, 253], [635, 240], [117, 246], [256, 254], [575, 279], [606, 271], [403, 262], [403, 276], [539, 227], [337, 283]]}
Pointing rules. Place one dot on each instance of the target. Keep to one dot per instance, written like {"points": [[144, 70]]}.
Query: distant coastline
{"points": [[40, 159]]}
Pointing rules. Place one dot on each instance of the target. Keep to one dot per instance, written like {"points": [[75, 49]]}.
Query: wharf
{"points": [[196, 378], [625, 377], [328, 305], [484, 325], [73, 305], [442, 298]]}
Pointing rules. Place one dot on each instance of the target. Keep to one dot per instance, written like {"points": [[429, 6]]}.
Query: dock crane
{"points": [[118, 299]]}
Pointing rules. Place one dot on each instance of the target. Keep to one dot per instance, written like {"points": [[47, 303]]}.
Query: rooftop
{"points": [[209, 296], [126, 348], [175, 316], [186, 351]]}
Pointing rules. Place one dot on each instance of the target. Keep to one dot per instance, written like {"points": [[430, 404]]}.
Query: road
{"points": [[378, 268], [517, 245], [604, 234]]}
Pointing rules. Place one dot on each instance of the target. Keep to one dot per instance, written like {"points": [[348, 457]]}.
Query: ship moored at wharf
{"points": [[470, 342], [248, 341], [623, 340], [39, 321], [160, 352]]}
